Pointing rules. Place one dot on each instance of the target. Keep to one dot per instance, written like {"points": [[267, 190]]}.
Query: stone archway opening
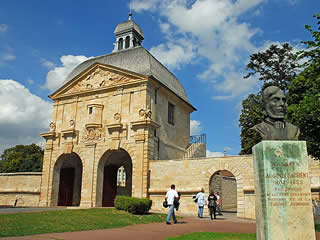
{"points": [[67, 179], [114, 177], [225, 183]]}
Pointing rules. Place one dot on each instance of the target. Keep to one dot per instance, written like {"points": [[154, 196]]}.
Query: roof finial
{"points": [[130, 13]]}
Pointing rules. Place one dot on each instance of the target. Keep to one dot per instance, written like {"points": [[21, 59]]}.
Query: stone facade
{"points": [[20, 189], [101, 114]]}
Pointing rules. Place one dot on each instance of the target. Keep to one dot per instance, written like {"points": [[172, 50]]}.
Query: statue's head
{"points": [[274, 103]]}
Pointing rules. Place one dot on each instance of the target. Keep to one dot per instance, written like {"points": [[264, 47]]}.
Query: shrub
{"points": [[133, 205]]}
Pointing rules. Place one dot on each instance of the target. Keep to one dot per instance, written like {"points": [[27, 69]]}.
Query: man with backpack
{"points": [[170, 198]]}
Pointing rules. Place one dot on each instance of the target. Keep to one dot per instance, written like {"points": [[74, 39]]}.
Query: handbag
{"points": [[195, 200], [165, 204]]}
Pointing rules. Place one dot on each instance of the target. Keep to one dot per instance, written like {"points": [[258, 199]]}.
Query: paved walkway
{"points": [[156, 231]]}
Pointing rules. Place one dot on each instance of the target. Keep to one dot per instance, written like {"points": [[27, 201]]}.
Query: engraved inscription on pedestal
{"points": [[282, 188]]}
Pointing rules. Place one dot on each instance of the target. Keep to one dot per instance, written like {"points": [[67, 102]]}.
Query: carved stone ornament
{"points": [[145, 114], [142, 113], [52, 127], [93, 134], [97, 79], [71, 124], [117, 117], [148, 114]]}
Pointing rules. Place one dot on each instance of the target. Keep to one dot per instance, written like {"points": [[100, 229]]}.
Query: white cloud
{"points": [[46, 63], [57, 75], [173, 55], [195, 127], [144, 5], [3, 28], [6, 55], [213, 154], [30, 81], [209, 30], [23, 115]]}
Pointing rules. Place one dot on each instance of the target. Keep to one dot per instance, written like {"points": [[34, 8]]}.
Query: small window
{"points": [[156, 96], [170, 113], [155, 132], [127, 43], [134, 42], [120, 44], [90, 110], [121, 177]]}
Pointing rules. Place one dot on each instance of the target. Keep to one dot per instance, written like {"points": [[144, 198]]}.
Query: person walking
{"points": [[212, 204], [201, 201], [219, 204], [170, 197]]}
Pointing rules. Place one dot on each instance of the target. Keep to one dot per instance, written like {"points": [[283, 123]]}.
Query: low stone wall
{"points": [[190, 175], [20, 189]]}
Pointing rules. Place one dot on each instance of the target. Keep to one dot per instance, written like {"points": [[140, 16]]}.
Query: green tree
{"points": [[304, 107], [22, 158], [251, 114], [304, 94], [275, 66], [312, 53]]}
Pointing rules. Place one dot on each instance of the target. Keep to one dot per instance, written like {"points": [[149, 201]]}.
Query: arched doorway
{"points": [[114, 177], [225, 183], [67, 178]]}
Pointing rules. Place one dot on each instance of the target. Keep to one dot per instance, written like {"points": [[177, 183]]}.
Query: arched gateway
{"points": [[67, 178], [114, 177]]}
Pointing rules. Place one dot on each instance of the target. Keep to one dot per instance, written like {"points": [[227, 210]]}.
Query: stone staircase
{"points": [[197, 147]]}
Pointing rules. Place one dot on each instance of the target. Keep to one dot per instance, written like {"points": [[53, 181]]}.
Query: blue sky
{"points": [[205, 43]]}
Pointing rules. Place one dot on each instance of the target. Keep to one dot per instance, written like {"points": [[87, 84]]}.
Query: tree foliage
{"points": [[304, 107], [276, 66], [312, 53], [251, 114], [22, 158], [304, 94]]}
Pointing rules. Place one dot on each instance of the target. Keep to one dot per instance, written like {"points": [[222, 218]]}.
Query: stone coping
{"points": [[20, 190], [180, 190], [20, 173]]}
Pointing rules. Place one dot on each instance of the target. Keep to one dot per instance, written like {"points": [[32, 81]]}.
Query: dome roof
{"points": [[137, 60], [127, 26]]}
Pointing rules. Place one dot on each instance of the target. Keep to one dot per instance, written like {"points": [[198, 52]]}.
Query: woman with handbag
{"points": [[212, 204], [201, 201]]}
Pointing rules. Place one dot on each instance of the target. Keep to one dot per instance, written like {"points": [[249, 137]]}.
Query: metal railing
{"points": [[198, 139]]}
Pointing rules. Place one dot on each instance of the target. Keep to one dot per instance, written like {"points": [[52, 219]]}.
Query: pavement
{"points": [[227, 223]]}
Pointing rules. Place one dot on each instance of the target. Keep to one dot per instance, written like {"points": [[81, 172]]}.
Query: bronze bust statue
{"points": [[273, 127]]}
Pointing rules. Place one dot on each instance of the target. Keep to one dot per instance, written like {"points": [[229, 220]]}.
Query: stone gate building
{"points": [[122, 109]]}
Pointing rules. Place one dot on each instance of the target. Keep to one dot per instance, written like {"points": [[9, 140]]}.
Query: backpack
{"points": [[212, 203]]}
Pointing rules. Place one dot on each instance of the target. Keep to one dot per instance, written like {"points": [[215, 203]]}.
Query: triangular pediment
{"points": [[98, 77]]}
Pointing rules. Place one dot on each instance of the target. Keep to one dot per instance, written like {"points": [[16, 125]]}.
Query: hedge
{"points": [[133, 205]]}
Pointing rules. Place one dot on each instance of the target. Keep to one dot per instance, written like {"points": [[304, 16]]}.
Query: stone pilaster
{"points": [[45, 192], [88, 176]]}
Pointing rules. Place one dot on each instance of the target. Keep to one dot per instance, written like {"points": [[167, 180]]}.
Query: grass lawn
{"points": [[20, 224], [215, 236]]}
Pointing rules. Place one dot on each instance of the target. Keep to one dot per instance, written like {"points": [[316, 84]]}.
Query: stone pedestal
{"points": [[282, 189]]}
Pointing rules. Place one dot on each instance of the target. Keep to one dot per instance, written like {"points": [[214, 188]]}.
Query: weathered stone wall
{"points": [[173, 139], [229, 194], [20, 189]]}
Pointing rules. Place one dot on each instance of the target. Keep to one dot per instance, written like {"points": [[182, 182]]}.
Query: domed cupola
{"points": [[128, 35]]}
